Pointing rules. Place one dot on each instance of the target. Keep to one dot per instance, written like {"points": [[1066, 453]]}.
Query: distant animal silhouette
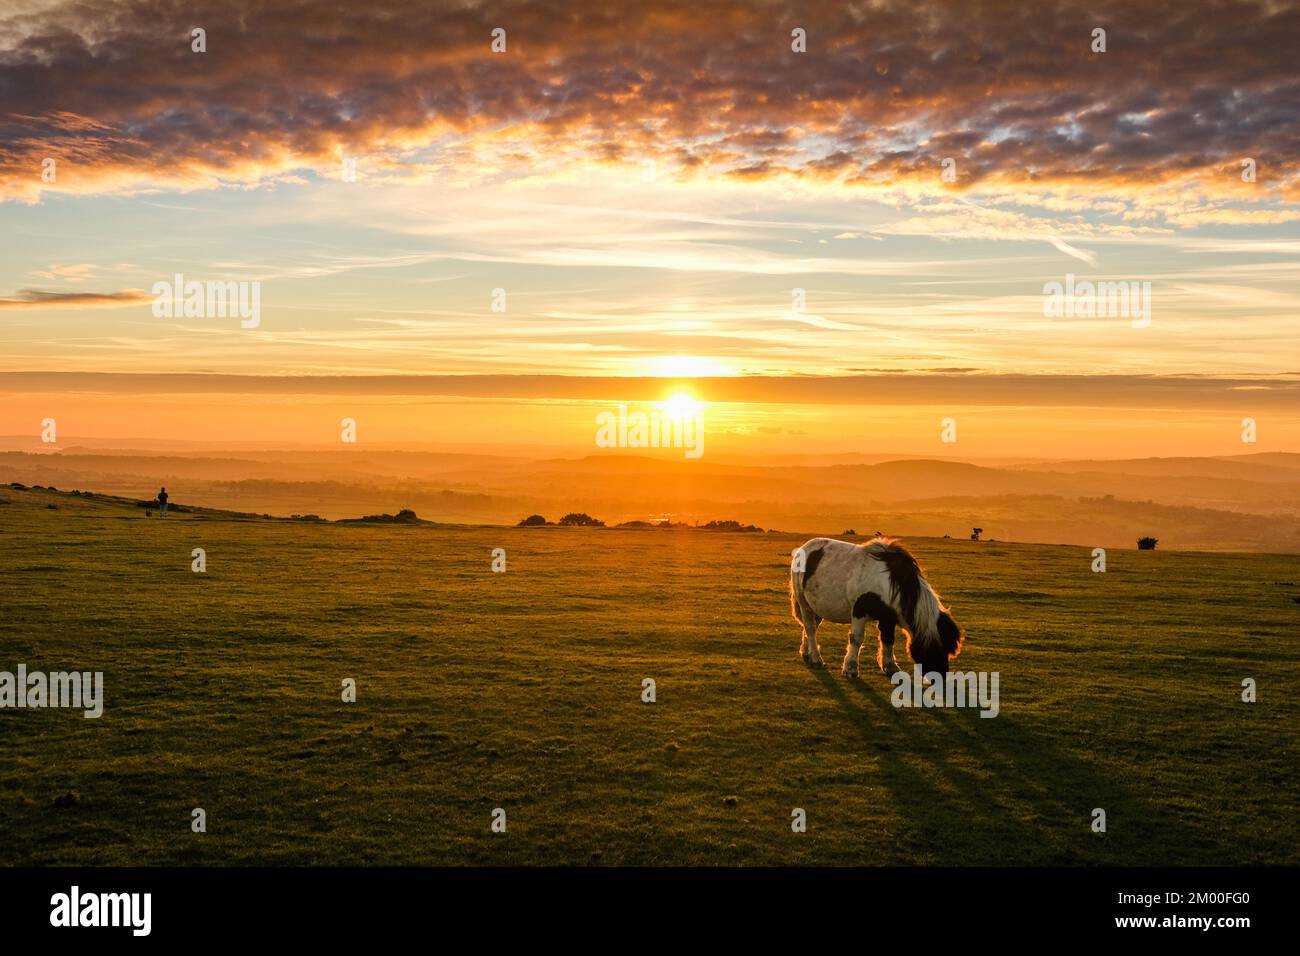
{"points": [[880, 580]]}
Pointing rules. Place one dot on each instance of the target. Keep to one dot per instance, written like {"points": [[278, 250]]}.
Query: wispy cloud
{"points": [[1081, 254], [79, 272]]}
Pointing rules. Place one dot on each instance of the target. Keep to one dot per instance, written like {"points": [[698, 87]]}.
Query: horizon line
{"points": [[1106, 390]]}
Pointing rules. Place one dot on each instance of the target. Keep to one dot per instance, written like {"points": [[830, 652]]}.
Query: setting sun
{"points": [[681, 405]]}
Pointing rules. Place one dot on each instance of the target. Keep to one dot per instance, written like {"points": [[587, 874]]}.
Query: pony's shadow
{"points": [[1026, 788]]}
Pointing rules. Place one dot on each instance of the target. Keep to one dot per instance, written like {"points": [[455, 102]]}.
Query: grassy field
{"points": [[522, 691]]}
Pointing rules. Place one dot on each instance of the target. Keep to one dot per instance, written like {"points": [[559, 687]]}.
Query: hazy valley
{"points": [[1247, 502]]}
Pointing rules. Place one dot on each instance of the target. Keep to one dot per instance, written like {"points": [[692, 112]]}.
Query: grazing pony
{"points": [[852, 583]]}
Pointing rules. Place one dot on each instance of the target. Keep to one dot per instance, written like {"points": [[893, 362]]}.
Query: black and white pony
{"points": [[877, 581]]}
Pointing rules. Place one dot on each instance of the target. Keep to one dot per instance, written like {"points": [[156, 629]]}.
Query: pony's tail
{"points": [[796, 584]]}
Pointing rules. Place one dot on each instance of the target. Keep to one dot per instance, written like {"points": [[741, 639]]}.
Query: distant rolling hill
{"points": [[1249, 503]]}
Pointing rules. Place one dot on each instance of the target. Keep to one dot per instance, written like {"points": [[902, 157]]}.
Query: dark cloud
{"points": [[36, 299], [1011, 90]]}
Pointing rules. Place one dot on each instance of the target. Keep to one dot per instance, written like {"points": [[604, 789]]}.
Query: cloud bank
{"points": [[1013, 93]]}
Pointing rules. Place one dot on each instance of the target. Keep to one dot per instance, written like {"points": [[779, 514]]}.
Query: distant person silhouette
{"points": [[162, 503]]}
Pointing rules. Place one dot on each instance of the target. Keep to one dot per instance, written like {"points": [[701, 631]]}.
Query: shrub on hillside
{"points": [[729, 525], [404, 516], [581, 519]]}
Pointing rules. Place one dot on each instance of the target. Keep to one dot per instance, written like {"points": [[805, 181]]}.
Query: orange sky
{"points": [[847, 220], [1024, 418]]}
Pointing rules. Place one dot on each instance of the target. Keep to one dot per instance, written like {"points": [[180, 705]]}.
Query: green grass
{"points": [[522, 690]]}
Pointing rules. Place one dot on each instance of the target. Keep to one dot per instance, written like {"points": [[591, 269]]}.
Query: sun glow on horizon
{"points": [[681, 405], [685, 366]]}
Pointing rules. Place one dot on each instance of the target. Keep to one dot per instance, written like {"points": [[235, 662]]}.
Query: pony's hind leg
{"points": [[850, 666], [808, 648]]}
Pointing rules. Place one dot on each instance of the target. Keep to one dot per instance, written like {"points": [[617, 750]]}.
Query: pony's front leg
{"points": [[885, 657], [850, 666]]}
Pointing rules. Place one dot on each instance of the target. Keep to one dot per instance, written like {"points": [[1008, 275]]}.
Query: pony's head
{"points": [[933, 655]]}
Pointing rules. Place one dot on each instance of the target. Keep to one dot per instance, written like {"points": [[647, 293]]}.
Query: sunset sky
{"points": [[649, 184]]}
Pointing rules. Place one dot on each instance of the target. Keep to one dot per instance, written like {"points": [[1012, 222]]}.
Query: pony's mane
{"points": [[904, 574]]}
